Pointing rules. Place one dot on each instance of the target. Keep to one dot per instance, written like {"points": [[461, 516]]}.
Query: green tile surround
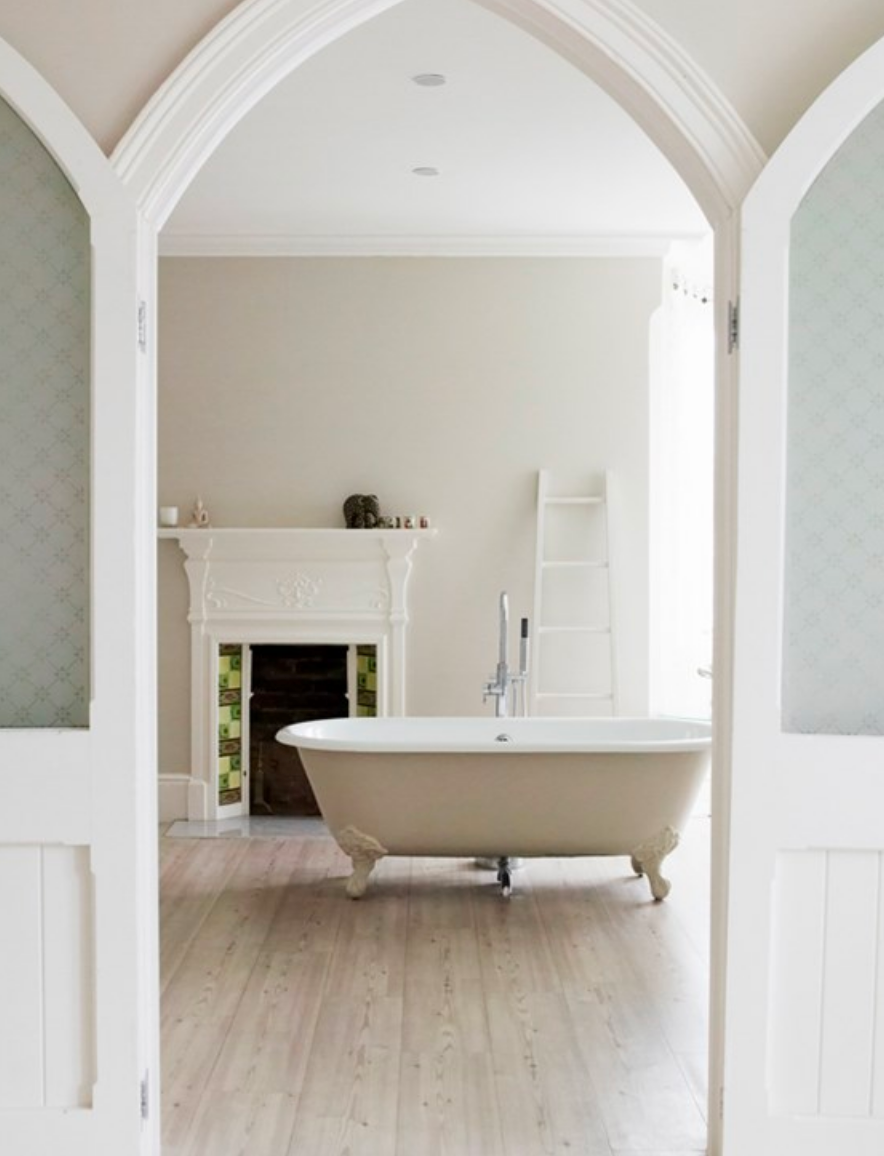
{"points": [[229, 723], [366, 681]]}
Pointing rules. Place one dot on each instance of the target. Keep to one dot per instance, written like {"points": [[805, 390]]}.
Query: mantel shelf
{"points": [[315, 531], [287, 544]]}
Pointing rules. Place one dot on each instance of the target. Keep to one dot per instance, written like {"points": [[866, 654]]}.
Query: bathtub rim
{"points": [[473, 735]]}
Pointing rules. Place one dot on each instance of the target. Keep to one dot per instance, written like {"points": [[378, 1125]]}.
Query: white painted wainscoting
{"points": [[827, 990], [46, 899], [338, 587]]}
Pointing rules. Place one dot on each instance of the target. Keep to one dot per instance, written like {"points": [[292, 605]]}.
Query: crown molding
{"points": [[284, 245]]}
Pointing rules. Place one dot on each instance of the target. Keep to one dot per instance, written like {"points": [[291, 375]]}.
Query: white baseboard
{"points": [[174, 790], [181, 797]]}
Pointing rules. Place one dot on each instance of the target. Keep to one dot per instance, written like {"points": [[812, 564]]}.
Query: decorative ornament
{"points": [[199, 517], [362, 511]]}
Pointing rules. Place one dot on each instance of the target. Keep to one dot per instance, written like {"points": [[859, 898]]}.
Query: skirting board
{"points": [[181, 797]]}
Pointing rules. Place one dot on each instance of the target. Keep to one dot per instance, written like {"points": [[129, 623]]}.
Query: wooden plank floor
{"points": [[432, 1017]]}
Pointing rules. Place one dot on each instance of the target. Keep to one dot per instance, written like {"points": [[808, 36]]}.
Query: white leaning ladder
{"points": [[574, 659]]}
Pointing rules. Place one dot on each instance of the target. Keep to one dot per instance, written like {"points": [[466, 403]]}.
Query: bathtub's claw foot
{"points": [[504, 878], [364, 852], [648, 859]]}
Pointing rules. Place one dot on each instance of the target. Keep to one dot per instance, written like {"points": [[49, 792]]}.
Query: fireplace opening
{"points": [[293, 683]]}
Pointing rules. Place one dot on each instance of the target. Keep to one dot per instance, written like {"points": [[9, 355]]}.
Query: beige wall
{"points": [[441, 385], [770, 58]]}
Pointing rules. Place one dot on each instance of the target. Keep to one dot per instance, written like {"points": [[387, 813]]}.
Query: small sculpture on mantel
{"points": [[199, 518], [362, 511]]}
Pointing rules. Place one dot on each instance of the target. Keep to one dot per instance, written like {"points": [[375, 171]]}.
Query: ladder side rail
{"points": [[539, 558], [610, 549]]}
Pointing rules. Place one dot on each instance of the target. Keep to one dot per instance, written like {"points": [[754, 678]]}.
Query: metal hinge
{"points": [[733, 326], [145, 1096], [142, 326]]}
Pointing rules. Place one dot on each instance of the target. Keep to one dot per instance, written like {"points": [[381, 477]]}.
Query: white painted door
{"points": [[804, 1037], [77, 793]]}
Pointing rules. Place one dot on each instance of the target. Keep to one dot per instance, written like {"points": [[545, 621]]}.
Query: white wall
{"points": [[442, 385], [770, 59]]}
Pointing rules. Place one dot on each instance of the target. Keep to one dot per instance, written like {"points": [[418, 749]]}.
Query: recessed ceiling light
{"points": [[425, 171], [429, 79]]}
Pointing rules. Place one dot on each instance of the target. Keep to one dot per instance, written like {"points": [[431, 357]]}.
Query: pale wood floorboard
{"points": [[432, 1017]]}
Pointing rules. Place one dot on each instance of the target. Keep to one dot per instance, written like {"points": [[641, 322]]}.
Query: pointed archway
{"points": [[611, 41], [649, 76]]}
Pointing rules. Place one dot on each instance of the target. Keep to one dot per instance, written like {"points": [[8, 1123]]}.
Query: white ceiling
{"points": [[532, 156]]}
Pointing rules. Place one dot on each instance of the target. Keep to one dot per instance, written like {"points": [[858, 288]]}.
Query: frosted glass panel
{"points": [[833, 646], [44, 437]]}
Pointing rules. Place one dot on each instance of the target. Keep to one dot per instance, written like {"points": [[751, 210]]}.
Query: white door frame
{"points": [[613, 43], [772, 808], [94, 789]]}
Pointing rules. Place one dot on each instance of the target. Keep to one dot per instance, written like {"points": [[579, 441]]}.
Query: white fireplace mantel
{"points": [[290, 586]]}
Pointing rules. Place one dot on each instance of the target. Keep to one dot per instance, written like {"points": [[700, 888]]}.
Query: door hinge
{"points": [[145, 1096], [733, 325], [142, 326]]}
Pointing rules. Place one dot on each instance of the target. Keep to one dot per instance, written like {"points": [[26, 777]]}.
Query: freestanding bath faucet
{"points": [[503, 682], [499, 688]]}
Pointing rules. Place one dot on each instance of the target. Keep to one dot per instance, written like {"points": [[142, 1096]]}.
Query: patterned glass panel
{"points": [[44, 437], [833, 646]]}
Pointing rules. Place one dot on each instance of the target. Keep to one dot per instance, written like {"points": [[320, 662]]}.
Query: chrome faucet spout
{"points": [[500, 685], [504, 630]]}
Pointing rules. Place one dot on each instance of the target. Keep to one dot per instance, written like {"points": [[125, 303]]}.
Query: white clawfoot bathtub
{"points": [[493, 787]]}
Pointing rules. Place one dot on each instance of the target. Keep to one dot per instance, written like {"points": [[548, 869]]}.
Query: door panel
{"points": [[77, 829], [46, 898], [804, 1048]]}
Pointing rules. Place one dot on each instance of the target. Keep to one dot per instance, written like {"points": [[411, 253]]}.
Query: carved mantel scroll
{"points": [[291, 586]]}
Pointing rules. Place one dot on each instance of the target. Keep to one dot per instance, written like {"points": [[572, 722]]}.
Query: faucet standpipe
{"points": [[503, 682]]}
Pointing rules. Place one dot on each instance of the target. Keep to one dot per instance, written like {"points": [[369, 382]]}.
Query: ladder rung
{"points": [[575, 694], [574, 563], [587, 500], [573, 630]]}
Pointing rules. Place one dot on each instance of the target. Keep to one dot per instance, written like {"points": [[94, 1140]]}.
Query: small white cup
{"points": [[168, 515]]}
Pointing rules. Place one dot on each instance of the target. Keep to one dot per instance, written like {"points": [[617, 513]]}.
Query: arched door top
{"points": [[262, 41], [818, 134], [59, 130]]}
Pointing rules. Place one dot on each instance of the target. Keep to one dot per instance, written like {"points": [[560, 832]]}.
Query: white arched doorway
{"points": [[618, 48], [262, 41]]}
